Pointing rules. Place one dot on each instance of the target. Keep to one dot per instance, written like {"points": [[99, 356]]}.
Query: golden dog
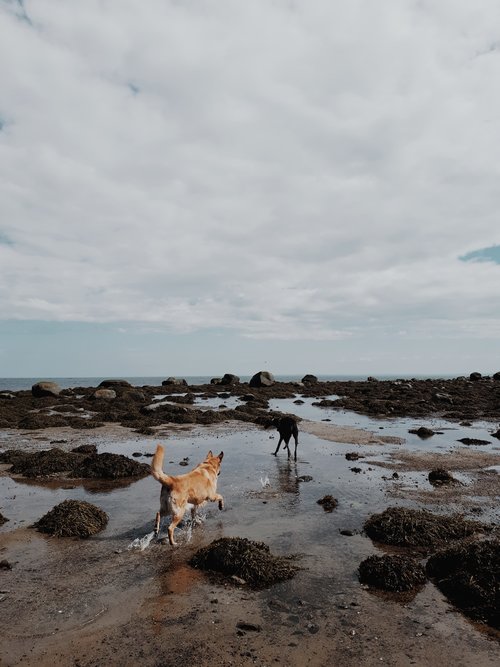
{"points": [[195, 487]]}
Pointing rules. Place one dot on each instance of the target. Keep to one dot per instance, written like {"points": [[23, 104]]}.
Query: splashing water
{"points": [[141, 542], [265, 482]]}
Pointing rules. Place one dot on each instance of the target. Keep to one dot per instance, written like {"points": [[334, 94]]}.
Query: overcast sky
{"points": [[208, 186]]}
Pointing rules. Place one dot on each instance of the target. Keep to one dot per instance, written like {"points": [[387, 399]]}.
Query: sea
{"points": [[22, 384]]}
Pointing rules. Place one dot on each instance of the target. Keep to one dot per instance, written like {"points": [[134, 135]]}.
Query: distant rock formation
{"points": [[172, 380], [40, 389], [262, 379], [309, 378]]}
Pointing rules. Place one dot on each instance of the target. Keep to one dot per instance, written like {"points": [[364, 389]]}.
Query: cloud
{"points": [[284, 169]]}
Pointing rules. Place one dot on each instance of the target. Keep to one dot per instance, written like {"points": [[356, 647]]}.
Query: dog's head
{"points": [[215, 460]]}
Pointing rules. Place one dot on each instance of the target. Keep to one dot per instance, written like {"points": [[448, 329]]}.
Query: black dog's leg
{"points": [[277, 448], [296, 438]]}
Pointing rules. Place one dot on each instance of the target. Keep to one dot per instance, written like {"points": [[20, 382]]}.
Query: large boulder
{"points": [[45, 388], [475, 376], [262, 379], [106, 394], [496, 376], [172, 380], [114, 383], [229, 378], [309, 378]]}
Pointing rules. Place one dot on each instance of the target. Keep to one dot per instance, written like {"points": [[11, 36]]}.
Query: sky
{"points": [[206, 186]]}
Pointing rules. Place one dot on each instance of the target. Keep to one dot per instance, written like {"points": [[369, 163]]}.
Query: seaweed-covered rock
{"points": [[114, 383], [85, 449], [469, 575], [440, 476], [41, 464], [3, 519], [73, 518], [473, 441], [229, 378], [250, 561], [392, 573], [109, 466], [309, 378], [174, 381], [329, 503], [419, 528]]}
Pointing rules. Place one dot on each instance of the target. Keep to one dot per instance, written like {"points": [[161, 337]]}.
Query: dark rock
{"points": [[309, 379], [422, 432], [353, 456], [229, 378], [440, 476], [357, 470], [5, 564], [40, 389], [85, 449], [329, 503], [305, 478], [262, 379], [174, 381], [114, 383], [496, 377], [473, 441], [6, 396], [475, 376], [3, 519]]}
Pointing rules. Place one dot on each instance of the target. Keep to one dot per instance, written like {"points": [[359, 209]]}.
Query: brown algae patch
{"points": [[469, 575], [73, 518], [252, 562], [392, 573], [419, 529]]}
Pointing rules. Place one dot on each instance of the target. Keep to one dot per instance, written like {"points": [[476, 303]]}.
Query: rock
{"points": [[114, 383], [104, 394], [329, 503], [496, 377], [305, 478], [215, 380], [5, 565], [5, 395], [248, 397], [422, 432], [85, 449], [440, 476], [44, 388], [475, 376], [473, 441], [248, 627], [353, 456], [309, 378], [496, 434], [262, 379], [392, 573], [229, 378], [176, 381]]}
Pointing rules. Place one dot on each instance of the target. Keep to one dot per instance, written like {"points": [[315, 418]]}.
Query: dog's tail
{"points": [[157, 467]]}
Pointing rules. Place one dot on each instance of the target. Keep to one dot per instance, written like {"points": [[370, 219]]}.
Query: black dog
{"points": [[287, 426]]}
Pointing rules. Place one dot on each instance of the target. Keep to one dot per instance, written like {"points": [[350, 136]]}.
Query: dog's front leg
{"points": [[157, 524], [277, 448]]}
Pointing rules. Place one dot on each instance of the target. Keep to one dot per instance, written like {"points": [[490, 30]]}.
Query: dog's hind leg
{"points": [[296, 438], [176, 519], [157, 523]]}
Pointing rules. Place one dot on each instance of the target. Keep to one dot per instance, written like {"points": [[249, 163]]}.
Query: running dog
{"points": [[287, 426], [195, 487]]}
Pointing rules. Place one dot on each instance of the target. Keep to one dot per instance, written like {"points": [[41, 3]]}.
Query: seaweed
{"points": [[392, 573], [73, 518]]}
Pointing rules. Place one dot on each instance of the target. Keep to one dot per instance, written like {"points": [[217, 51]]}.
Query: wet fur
{"points": [[195, 487]]}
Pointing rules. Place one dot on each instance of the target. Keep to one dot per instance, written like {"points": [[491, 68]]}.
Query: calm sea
{"points": [[18, 384]]}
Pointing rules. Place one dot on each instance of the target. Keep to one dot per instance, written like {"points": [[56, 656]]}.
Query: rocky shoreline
{"points": [[462, 399]]}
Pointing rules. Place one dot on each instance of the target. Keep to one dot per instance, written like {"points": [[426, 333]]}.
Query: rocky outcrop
{"points": [[175, 381], [229, 378], [114, 383], [106, 394], [309, 379], [41, 389], [262, 379]]}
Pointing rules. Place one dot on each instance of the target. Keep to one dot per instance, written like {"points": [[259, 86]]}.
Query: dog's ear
{"points": [[209, 455], [221, 456]]}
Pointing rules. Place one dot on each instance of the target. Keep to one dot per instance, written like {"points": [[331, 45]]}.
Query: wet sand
{"points": [[95, 602]]}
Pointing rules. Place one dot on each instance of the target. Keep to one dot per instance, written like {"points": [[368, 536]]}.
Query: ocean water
{"points": [[20, 384]]}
